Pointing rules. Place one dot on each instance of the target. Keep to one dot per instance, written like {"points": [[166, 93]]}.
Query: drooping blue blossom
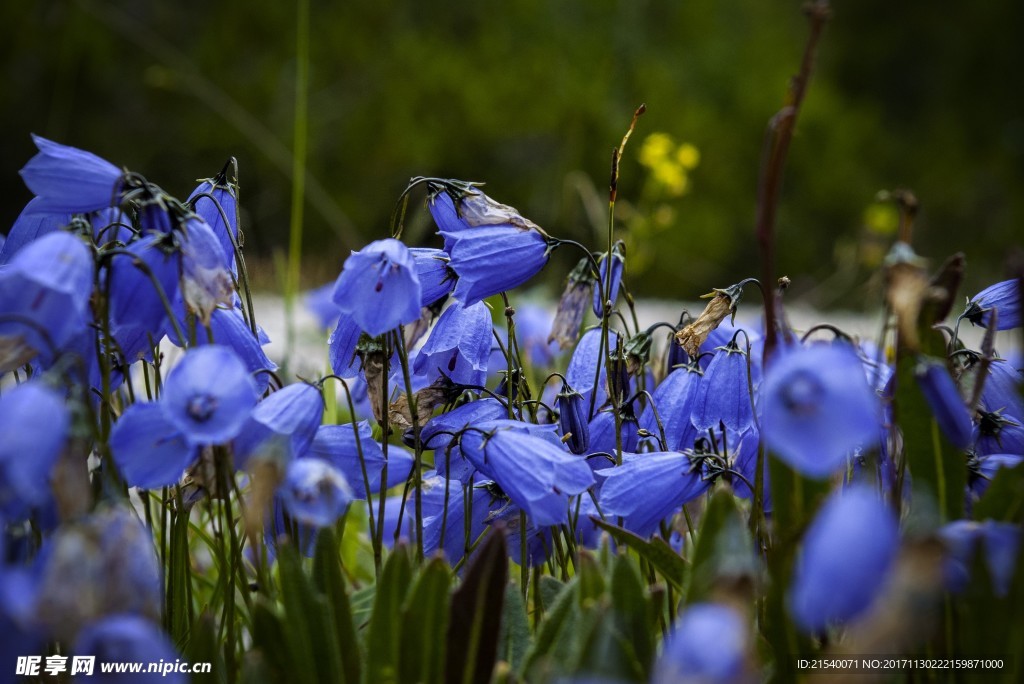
{"points": [[209, 394], [340, 446], [1002, 389], [707, 645], [100, 565], [320, 302], [674, 401], [284, 423], [452, 527], [602, 431], [111, 225], [150, 451], [1003, 298], [981, 470], [491, 246], [723, 395], [572, 419], [206, 273], [135, 300], [314, 492], [647, 488], [215, 200], [127, 639], [847, 553], [379, 288], [437, 435], [535, 473], [611, 269], [67, 179], [44, 298], [34, 422], [817, 408], [584, 363], [458, 346], [532, 325], [1000, 542], [342, 346], [32, 223], [944, 399], [539, 544], [998, 434], [437, 280]]}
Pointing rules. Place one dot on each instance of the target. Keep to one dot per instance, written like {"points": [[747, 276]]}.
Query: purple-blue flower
{"points": [[206, 273], [34, 422], [647, 488], [674, 400], [127, 639], [535, 473], [847, 553], [491, 246], [707, 645], [67, 179], [287, 421], [572, 419], [616, 264], [209, 394], [379, 288], [149, 449], [1000, 541], [436, 279], [458, 346], [44, 298], [818, 408], [32, 223], [135, 301], [1003, 298], [340, 446], [314, 492], [586, 361], [215, 201], [945, 401], [723, 395]]}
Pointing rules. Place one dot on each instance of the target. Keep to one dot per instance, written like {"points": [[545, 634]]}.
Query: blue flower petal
{"points": [[149, 450]]}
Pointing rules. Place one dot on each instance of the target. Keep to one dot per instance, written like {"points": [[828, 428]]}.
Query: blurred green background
{"points": [[531, 96]]}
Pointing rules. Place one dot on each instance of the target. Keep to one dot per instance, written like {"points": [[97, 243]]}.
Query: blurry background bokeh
{"points": [[531, 96]]}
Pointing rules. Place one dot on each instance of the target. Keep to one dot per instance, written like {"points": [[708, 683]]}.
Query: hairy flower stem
{"points": [[773, 158]]}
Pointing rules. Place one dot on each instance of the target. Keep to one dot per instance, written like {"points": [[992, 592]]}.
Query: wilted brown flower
{"points": [[573, 305], [694, 334]]}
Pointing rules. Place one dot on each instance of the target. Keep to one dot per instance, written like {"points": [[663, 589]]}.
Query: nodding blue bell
{"points": [[572, 419]]}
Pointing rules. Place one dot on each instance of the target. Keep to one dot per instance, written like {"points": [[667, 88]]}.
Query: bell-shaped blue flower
{"points": [[647, 488], [602, 431], [584, 363], [847, 553], [458, 346], [209, 395], [998, 434], [674, 400], [314, 492], [118, 639], [1001, 542], [44, 298], [206, 273], [340, 445], [943, 397], [32, 223], [611, 276], [1003, 298], [983, 469], [342, 346], [320, 302], [453, 516], [532, 325], [34, 422], [379, 288], [707, 645], [436, 279], [135, 301], [723, 395], [572, 420], [215, 200], [67, 179], [538, 537], [535, 473], [287, 420], [150, 451], [1002, 389], [491, 246], [817, 408]]}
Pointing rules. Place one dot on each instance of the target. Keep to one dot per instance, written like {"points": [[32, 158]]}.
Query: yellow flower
{"points": [[688, 155]]}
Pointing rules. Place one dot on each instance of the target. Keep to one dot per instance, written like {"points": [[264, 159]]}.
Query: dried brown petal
{"points": [[694, 334]]}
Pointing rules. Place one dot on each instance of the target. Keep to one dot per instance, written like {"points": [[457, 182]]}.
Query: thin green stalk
{"points": [[300, 134]]}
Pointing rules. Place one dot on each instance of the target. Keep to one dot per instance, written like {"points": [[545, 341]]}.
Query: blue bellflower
{"points": [[135, 301], [817, 408], [572, 420], [340, 446], [1003, 298], [452, 527], [379, 288], [647, 488], [150, 451], [535, 473], [436, 279], [674, 400], [723, 395], [32, 223], [209, 395], [707, 645], [215, 200], [44, 294], [1000, 540], [34, 422], [458, 346], [491, 246], [610, 269], [127, 638], [584, 363], [206, 274], [314, 492], [945, 401], [847, 553], [1002, 389], [67, 179], [287, 420]]}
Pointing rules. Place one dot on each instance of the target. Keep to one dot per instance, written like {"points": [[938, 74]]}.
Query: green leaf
{"points": [[514, 639], [724, 549], [635, 618], [657, 552], [268, 636], [425, 613], [1004, 499], [550, 589], [178, 618], [557, 631], [591, 581], [309, 630], [476, 614], [329, 580], [203, 647], [383, 637]]}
